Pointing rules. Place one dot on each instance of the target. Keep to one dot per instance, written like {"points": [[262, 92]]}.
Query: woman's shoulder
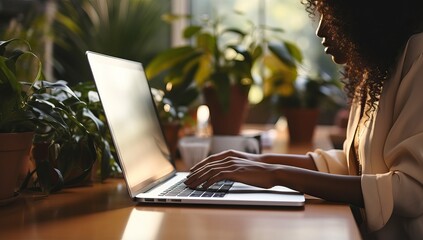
{"points": [[412, 52], [415, 45], [416, 37]]}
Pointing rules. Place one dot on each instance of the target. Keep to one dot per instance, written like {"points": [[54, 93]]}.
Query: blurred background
{"points": [[61, 31]]}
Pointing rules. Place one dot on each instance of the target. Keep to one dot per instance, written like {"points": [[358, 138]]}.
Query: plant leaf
{"points": [[59, 85], [281, 51], [294, 51], [168, 59], [190, 31]]}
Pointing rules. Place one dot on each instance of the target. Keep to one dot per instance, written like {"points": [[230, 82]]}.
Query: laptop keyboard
{"points": [[217, 190]]}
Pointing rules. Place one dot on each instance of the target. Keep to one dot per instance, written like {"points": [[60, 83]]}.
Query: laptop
{"points": [[142, 150]]}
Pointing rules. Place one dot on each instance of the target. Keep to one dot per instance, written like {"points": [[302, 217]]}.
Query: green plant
{"points": [[57, 116], [17, 64], [55, 140], [172, 109], [309, 91], [122, 28], [76, 131], [221, 55], [107, 156], [128, 29], [20, 111]]}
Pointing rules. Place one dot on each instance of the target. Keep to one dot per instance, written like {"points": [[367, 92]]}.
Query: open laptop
{"points": [[142, 151]]}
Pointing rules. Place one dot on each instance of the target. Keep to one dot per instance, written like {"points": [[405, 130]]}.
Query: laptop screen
{"points": [[132, 118]]}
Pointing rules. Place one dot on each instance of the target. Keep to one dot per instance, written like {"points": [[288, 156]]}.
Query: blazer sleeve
{"points": [[399, 191], [331, 161]]}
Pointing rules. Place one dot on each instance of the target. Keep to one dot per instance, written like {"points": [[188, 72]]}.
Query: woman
{"points": [[380, 169]]}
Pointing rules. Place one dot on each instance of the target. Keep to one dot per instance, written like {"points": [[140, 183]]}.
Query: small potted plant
{"points": [[220, 63], [17, 120], [72, 130], [174, 106], [300, 99], [35, 115]]}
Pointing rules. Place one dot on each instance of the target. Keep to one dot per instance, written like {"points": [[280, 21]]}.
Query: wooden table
{"points": [[105, 211]]}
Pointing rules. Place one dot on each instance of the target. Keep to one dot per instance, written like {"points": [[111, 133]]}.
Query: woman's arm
{"points": [[257, 172], [331, 187], [302, 161], [295, 160]]}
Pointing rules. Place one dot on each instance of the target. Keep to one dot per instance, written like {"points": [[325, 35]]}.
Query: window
{"points": [[289, 15]]}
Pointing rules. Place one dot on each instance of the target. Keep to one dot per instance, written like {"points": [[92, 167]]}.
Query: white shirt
{"points": [[391, 152]]}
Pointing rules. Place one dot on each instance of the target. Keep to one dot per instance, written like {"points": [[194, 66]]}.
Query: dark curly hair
{"points": [[372, 33]]}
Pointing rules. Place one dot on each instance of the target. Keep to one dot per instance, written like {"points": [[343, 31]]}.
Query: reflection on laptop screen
{"points": [[129, 108]]}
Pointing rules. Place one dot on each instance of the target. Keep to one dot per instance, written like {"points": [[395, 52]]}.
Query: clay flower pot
{"points": [[227, 121], [14, 151], [301, 124]]}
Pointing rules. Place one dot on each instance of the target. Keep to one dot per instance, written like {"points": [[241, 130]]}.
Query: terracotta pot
{"points": [[301, 124], [14, 152], [227, 122]]}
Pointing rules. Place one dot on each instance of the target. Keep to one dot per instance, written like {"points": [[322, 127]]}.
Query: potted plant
{"points": [[220, 63], [17, 121], [173, 106], [106, 164], [42, 114], [49, 96], [300, 100], [75, 133], [124, 28]]}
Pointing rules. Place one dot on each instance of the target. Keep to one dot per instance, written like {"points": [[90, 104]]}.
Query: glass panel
{"points": [[289, 15]]}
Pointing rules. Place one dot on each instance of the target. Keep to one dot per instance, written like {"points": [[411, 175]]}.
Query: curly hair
{"points": [[372, 34]]}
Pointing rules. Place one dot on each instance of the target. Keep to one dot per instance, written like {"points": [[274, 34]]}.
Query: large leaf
{"points": [[236, 31], [246, 56], [51, 116], [76, 159], [59, 85], [8, 76], [4, 45], [129, 29], [257, 52], [294, 51], [169, 59], [17, 64], [282, 52], [99, 125], [206, 42], [190, 31], [205, 69]]}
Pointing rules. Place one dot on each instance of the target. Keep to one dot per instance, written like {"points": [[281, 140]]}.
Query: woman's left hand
{"points": [[235, 169]]}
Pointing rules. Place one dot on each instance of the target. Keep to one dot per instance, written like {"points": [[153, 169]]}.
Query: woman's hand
{"points": [[225, 155], [225, 166], [297, 172]]}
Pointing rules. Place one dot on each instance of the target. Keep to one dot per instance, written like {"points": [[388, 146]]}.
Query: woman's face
{"points": [[331, 45]]}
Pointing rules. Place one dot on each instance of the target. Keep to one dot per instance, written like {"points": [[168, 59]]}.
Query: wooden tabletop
{"points": [[105, 211]]}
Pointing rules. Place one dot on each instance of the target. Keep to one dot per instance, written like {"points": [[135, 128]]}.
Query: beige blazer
{"points": [[391, 152]]}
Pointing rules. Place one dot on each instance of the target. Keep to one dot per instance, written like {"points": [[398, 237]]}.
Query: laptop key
{"points": [[218, 190], [197, 193], [213, 188], [225, 188], [219, 194], [207, 194], [172, 194], [186, 193]]}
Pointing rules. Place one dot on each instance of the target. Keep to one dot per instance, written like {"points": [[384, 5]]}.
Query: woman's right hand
{"points": [[224, 155], [227, 166]]}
